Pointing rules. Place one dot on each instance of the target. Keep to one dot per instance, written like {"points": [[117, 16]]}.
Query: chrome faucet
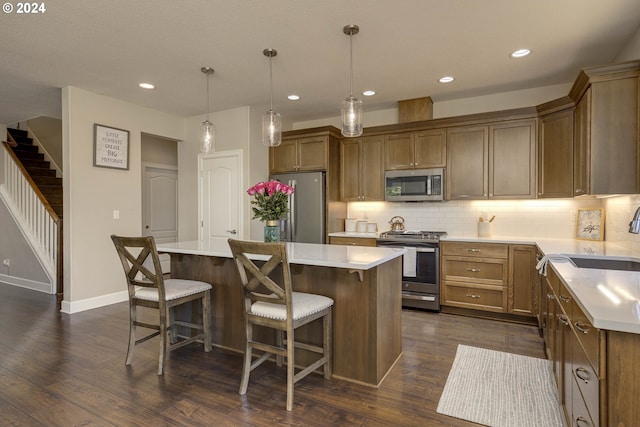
{"points": [[634, 225]]}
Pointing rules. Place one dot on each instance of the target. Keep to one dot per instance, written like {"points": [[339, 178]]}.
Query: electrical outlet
{"points": [[6, 262]]}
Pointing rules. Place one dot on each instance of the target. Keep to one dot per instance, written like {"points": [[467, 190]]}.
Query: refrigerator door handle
{"points": [[292, 212]]}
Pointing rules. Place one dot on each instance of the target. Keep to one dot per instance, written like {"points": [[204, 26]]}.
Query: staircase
{"points": [[38, 168]]}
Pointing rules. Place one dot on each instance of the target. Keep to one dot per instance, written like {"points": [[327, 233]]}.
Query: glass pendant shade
{"points": [[352, 117], [207, 137], [271, 129]]}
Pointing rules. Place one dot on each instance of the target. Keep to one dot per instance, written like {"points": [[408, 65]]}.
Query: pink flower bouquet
{"points": [[270, 200]]}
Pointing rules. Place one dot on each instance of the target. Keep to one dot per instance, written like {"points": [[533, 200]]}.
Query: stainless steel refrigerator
{"points": [[305, 222]]}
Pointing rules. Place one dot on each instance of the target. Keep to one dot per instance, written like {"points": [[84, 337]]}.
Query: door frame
{"points": [[237, 154]]}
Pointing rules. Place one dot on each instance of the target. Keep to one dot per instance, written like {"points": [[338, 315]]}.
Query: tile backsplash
{"points": [[544, 218]]}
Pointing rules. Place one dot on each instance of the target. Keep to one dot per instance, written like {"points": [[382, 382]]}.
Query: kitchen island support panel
{"points": [[367, 326]]}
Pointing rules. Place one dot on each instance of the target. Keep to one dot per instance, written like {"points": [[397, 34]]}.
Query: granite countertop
{"points": [[609, 298], [340, 256]]}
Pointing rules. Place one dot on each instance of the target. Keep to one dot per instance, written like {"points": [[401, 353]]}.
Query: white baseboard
{"points": [[71, 307], [28, 284]]}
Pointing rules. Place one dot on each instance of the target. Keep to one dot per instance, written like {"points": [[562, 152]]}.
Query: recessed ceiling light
{"points": [[146, 86], [369, 92], [293, 97], [446, 79], [520, 53]]}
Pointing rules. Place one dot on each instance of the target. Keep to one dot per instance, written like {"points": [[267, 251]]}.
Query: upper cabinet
{"points": [[492, 162], [606, 156], [361, 169], [416, 150], [555, 149], [301, 151]]}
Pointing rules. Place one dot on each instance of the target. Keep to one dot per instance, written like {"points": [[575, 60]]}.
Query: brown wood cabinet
{"points": [[492, 162], [474, 275], [555, 150], [523, 292], [300, 154], [361, 169], [352, 241], [607, 158], [416, 150]]}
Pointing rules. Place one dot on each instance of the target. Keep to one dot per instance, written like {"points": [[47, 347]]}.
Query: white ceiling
{"points": [[404, 46]]}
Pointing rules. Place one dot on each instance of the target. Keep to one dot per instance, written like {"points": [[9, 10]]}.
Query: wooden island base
{"points": [[367, 323]]}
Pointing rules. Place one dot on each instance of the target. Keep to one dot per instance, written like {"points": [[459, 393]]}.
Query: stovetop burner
{"points": [[413, 235]]}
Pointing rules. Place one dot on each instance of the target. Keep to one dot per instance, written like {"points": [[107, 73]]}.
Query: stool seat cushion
{"points": [[303, 305], [173, 289]]}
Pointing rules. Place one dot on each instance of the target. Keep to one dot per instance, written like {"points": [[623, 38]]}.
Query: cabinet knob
{"points": [[578, 190]]}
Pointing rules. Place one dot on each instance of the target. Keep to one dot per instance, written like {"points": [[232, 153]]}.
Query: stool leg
{"points": [[206, 320], [327, 337], [163, 338], [246, 366], [132, 333], [290, 368]]}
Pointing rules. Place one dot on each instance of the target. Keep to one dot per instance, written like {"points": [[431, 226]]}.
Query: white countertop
{"points": [[353, 234], [340, 256], [609, 298]]}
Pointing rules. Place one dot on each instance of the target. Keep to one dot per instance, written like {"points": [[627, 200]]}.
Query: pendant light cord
{"points": [[350, 65], [208, 98], [270, 85]]}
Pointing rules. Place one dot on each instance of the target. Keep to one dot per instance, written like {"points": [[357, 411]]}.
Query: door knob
{"points": [[231, 231]]}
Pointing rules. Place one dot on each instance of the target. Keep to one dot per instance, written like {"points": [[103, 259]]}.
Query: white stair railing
{"points": [[37, 220]]}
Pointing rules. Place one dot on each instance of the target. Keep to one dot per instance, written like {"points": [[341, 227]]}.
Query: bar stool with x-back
{"points": [[148, 288], [273, 305]]}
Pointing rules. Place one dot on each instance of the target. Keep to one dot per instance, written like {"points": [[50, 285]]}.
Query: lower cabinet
{"points": [[493, 277], [352, 241]]}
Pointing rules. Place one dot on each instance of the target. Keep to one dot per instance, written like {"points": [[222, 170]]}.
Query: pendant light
{"points": [[271, 122], [207, 129], [352, 106]]}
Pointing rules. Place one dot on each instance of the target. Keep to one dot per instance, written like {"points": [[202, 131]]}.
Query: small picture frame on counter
{"points": [[590, 224]]}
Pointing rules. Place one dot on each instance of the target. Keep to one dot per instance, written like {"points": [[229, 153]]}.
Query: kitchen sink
{"points": [[606, 263]]}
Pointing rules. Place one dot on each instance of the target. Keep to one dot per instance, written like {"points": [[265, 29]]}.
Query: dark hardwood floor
{"points": [[61, 370]]}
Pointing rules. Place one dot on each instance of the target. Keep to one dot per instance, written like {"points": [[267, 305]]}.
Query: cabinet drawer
{"points": [[581, 417], [589, 337], [587, 380], [481, 250], [353, 241], [475, 270], [479, 298], [564, 297]]}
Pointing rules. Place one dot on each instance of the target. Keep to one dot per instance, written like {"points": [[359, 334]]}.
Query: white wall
{"points": [[631, 50], [93, 275]]}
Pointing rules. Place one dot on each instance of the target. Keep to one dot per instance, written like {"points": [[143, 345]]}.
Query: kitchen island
{"points": [[364, 282]]}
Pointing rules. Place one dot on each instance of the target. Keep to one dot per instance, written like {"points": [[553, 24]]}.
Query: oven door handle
{"points": [[418, 297], [425, 249]]}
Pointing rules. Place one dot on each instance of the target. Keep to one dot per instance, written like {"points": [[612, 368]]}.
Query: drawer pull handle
{"points": [[583, 375], [473, 270], [582, 421], [582, 327], [473, 250], [550, 297], [564, 298], [563, 320], [473, 295]]}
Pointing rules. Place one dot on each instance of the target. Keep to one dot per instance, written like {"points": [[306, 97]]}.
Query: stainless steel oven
{"points": [[420, 266]]}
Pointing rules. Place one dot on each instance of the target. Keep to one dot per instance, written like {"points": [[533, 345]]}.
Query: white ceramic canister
{"points": [[350, 224], [372, 227], [361, 227]]}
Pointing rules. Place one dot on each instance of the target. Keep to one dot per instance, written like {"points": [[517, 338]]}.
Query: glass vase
{"points": [[272, 231]]}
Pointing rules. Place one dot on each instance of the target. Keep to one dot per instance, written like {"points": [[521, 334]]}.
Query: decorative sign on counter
{"points": [[110, 147], [590, 224]]}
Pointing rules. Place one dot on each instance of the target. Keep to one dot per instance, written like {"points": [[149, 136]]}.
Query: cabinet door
{"points": [[372, 168], [398, 150], [283, 158], [582, 142], [430, 149], [512, 160], [555, 155], [522, 279], [467, 163], [350, 169], [312, 153]]}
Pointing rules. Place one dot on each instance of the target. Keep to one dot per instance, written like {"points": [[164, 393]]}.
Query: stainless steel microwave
{"points": [[414, 185]]}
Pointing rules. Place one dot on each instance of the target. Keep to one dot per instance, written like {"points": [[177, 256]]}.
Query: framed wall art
{"points": [[590, 224], [110, 147]]}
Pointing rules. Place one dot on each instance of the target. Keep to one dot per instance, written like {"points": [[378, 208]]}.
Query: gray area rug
{"points": [[501, 389]]}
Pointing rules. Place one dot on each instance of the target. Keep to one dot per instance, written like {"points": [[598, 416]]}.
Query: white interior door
{"points": [[220, 196], [160, 206]]}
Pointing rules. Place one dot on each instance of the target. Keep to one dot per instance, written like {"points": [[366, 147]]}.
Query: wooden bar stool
{"points": [[148, 288], [276, 306]]}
